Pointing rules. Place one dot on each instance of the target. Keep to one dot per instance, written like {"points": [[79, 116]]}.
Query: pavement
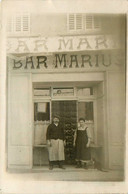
{"points": [[40, 180], [69, 174]]}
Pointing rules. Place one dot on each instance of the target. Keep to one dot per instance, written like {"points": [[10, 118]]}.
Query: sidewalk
{"points": [[69, 174]]}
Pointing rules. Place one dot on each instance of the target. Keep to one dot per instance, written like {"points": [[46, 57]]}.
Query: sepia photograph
{"points": [[63, 108]]}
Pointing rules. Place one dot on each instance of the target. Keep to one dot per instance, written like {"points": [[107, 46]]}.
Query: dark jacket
{"points": [[55, 132]]}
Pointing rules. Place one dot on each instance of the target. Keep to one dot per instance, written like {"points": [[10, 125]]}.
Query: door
{"points": [[67, 111], [20, 121]]}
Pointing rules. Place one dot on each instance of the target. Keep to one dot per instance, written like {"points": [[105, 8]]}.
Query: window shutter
{"points": [[71, 21], [79, 22], [10, 24], [18, 26], [89, 22], [25, 22], [19, 22]]}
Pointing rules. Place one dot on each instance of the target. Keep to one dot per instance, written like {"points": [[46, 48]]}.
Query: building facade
{"points": [[71, 64]]}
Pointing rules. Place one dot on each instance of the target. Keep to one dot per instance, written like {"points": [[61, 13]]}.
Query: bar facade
{"points": [[72, 65]]}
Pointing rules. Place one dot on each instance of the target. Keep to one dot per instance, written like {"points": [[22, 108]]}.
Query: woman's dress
{"points": [[82, 151]]}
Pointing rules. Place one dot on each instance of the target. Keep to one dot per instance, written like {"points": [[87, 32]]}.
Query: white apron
{"points": [[56, 151]]}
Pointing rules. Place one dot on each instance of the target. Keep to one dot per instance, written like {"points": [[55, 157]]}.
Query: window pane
{"points": [[42, 111], [42, 92], [85, 110], [84, 91]]}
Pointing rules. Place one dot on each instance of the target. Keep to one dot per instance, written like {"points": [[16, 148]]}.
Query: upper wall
{"points": [[48, 24], [55, 24]]}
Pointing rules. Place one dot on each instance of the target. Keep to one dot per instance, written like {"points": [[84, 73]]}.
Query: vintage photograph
{"points": [[65, 92]]}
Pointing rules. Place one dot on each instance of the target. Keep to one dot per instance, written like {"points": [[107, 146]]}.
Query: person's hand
{"points": [[74, 144], [87, 145], [64, 143], [49, 143]]}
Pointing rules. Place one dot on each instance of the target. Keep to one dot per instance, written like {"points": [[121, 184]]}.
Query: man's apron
{"points": [[56, 150]]}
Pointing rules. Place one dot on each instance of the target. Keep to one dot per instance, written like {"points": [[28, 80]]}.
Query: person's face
{"points": [[56, 120], [82, 123]]}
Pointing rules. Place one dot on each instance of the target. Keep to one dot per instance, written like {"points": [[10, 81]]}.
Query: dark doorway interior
{"points": [[67, 111]]}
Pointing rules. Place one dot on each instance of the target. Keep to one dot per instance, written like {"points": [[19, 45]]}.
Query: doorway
{"points": [[67, 111]]}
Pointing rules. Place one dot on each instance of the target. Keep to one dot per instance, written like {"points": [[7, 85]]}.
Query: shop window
{"points": [[85, 110], [18, 23], [41, 122], [42, 111]]}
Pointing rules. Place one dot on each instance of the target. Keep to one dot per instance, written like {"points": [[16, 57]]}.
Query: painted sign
{"points": [[75, 60], [62, 44]]}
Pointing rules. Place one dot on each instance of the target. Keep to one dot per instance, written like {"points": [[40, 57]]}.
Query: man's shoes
{"points": [[85, 166], [62, 167], [50, 167], [78, 165]]}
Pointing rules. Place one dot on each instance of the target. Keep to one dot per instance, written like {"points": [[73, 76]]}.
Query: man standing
{"points": [[55, 140]]}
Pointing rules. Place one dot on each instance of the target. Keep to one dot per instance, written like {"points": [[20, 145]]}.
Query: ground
{"points": [[41, 180], [69, 174]]}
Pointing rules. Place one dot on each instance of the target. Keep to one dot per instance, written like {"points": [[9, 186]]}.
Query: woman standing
{"points": [[82, 139]]}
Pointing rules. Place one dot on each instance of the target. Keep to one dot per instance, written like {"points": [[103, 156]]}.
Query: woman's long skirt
{"points": [[82, 152]]}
